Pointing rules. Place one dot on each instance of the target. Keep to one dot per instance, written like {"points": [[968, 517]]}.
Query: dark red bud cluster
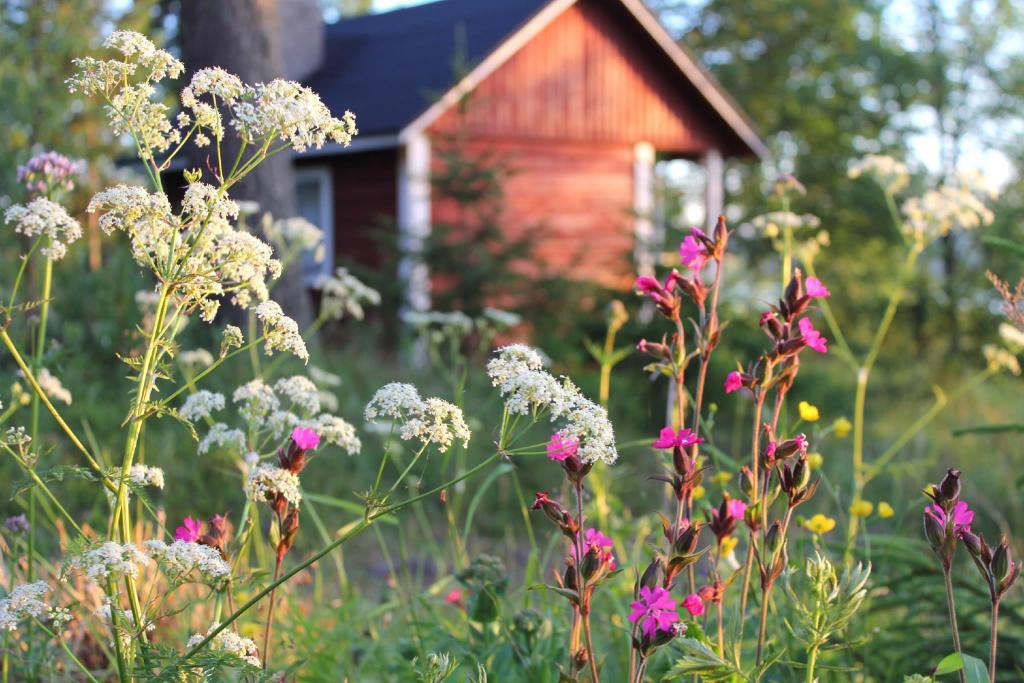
{"points": [[796, 481], [556, 513]]}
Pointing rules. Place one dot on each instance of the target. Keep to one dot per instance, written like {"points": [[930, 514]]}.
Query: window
{"points": [[314, 201]]}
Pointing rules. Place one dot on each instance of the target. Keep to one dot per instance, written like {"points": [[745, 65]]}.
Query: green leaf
{"points": [[700, 660], [975, 670], [949, 664], [1002, 243]]}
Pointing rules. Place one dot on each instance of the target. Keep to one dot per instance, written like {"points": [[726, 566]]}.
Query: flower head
{"points": [[693, 604], [842, 427], [885, 510], [733, 382], [669, 438], [961, 517], [594, 540], [736, 508], [561, 447], [815, 289], [305, 438], [808, 412], [693, 252], [861, 508], [820, 524], [655, 611], [812, 336], [189, 530]]}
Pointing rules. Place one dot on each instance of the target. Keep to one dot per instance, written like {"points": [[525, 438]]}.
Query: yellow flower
{"points": [[698, 492], [861, 508], [815, 460], [722, 477], [808, 412], [842, 427], [820, 524], [729, 545], [885, 510]]}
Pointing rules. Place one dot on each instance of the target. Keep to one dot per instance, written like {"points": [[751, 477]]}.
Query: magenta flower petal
{"points": [[190, 530], [666, 438], [693, 604], [815, 289], [561, 447], [733, 382], [305, 438], [812, 336]]}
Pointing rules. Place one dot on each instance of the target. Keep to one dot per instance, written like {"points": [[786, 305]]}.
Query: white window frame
{"points": [[321, 175]]}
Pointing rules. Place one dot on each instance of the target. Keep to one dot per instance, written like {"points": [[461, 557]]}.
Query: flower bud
{"points": [[746, 481], [949, 488], [773, 539], [686, 543], [974, 544], [651, 576], [1001, 561], [934, 532]]}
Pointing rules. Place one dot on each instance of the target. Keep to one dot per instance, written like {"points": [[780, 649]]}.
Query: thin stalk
{"points": [[762, 628], [270, 613], [37, 361], [812, 661], [952, 617], [67, 650], [584, 604], [994, 641]]}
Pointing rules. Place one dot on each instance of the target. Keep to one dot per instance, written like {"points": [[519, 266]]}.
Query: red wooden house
{"points": [[581, 95]]}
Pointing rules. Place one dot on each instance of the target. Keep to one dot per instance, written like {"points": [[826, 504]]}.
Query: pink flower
{"points": [[736, 508], [733, 382], [655, 610], [961, 516], [815, 289], [693, 604], [668, 438], [692, 252], [812, 336], [453, 597], [601, 544], [305, 438], [189, 530], [561, 447]]}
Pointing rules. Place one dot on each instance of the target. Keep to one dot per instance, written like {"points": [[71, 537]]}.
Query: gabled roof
{"points": [[397, 70]]}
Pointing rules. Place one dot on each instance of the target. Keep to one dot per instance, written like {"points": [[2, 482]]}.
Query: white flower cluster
{"points": [[289, 112], [52, 386], [961, 205], [267, 481], [24, 601], [333, 429], [452, 321], [43, 217], [181, 558], [344, 294], [145, 475], [222, 87], [999, 358], [888, 172], [230, 643], [200, 405], [281, 332], [518, 373], [433, 420], [301, 392], [772, 223], [295, 233], [107, 559], [1013, 337], [222, 436]]}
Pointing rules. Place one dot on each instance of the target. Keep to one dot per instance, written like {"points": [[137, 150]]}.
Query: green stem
{"points": [[812, 661], [84, 669], [270, 612], [952, 617], [994, 642]]}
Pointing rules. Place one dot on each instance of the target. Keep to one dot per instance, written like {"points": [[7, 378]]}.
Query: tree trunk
{"points": [[241, 36]]}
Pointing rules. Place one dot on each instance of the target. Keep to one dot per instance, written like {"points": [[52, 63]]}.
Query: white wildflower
{"points": [[280, 422], [394, 400], [453, 322], [23, 602], [232, 339], [328, 401], [289, 112], [297, 233], [109, 559], [258, 400], [323, 378], [773, 223], [955, 206], [890, 173], [501, 318], [181, 558], [51, 385], [512, 360], [280, 331], [335, 430], [230, 643], [1013, 337], [201, 405], [222, 436], [266, 482], [439, 422], [301, 392], [41, 217], [17, 436], [196, 359], [344, 294], [145, 475], [999, 358]]}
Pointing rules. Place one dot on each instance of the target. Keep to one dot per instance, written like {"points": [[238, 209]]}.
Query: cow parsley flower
{"points": [[181, 558], [301, 392], [439, 422], [108, 559], [23, 602], [230, 643], [888, 172], [336, 431], [344, 294], [51, 385], [216, 83], [145, 475], [201, 405], [222, 436], [289, 112], [41, 217], [295, 233], [196, 358], [266, 482], [281, 332], [258, 401], [395, 400]]}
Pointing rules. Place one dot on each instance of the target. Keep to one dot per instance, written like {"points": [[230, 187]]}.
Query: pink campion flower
{"points": [[692, 251], [305, 438], [190, 530], [601, 544], [668, 438], [962, 517], [812, 336], [736, 508], [655, 610], [693, 604], [454, 597], [561, 447], [733, 382], [815, 289]]}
